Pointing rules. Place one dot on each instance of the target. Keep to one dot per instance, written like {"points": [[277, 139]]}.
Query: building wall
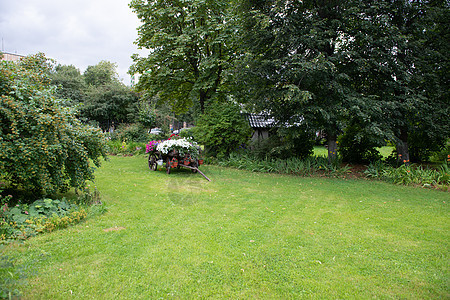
{"points": [[260, 134], [11, 57]]}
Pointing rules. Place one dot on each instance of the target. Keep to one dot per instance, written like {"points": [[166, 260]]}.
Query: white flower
{"points": [[182, 145]]}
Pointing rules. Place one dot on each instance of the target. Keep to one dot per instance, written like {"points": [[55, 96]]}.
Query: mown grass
{"points": [[322, 151], [245, 236]]}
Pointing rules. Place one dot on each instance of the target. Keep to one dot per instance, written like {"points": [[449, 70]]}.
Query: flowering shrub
{"points": [[44, 147], [183, 146]]}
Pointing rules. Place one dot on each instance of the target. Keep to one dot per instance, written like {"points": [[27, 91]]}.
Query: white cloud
{"points": [[77, 32]]}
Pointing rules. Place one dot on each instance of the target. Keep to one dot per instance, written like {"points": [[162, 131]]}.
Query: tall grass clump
{"points": [[410, 174], [295, 166]]}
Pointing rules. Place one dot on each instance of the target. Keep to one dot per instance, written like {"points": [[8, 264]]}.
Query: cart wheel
{"points": [[168, 165], [152, 164]]}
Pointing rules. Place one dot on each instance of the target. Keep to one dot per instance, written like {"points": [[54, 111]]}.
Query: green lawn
{"points": [[245, 236], [322, 151]]}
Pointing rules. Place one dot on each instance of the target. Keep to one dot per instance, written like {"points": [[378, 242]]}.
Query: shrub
{"points": [[116, 147], [131, 133], [43, 146], [442, 155], [222, 129], [296, 142], [422, 144], [262, 148], [284, 143], [187, 133], [355, 147]]}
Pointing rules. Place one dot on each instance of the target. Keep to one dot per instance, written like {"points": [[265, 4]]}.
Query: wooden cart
{"points": [[173, 160]]}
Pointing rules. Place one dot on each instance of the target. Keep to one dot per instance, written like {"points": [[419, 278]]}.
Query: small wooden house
{"points": [[261, 124]]}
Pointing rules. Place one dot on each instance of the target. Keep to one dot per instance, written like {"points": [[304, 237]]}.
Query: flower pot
{"points": [[174, 163], [200, 161]]}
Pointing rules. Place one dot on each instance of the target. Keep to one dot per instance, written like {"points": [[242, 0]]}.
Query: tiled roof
{"points": [[260, 121]]}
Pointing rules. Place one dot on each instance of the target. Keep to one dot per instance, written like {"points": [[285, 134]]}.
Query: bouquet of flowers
{"points": [[183, 146]]}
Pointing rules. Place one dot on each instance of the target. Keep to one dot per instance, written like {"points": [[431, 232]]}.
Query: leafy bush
{"points": [[131, 133], [125, 148], [296, 141], [43, 146], [442, 155], [262, 148], [422, 144], [355, 147], [284, 143], [222, 129], [187, 133]]}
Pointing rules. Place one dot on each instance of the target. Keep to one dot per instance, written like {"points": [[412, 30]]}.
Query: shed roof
{"points": [[260, 121]]}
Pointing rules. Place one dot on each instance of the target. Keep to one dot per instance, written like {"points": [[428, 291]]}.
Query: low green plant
{"points": [[308, 166], [131, 132], [410, 174], [45, 215], [116, 147]]}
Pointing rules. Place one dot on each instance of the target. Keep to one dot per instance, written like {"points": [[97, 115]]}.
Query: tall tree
{"points": [[71, 84], [377, 63], [102, 73], [399, 61], [110, 104], [189, 50], [292, 61], [108, 101]]}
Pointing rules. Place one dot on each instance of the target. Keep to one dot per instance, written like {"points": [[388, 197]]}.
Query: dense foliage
{"points": [[43, 146], [102, 98], [190, 50], [335, 63], [376, 70], [399, 61], [222, 129]]}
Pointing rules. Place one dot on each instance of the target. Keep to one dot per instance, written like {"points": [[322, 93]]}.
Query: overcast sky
{"points": [[73, 32]]}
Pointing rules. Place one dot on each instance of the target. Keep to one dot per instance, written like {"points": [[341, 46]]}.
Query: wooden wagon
{"points": [[173, 160]]}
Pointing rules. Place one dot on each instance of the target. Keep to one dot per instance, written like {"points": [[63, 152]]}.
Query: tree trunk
{"points": [[332, 147], [202, 100], [402, 147]]}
